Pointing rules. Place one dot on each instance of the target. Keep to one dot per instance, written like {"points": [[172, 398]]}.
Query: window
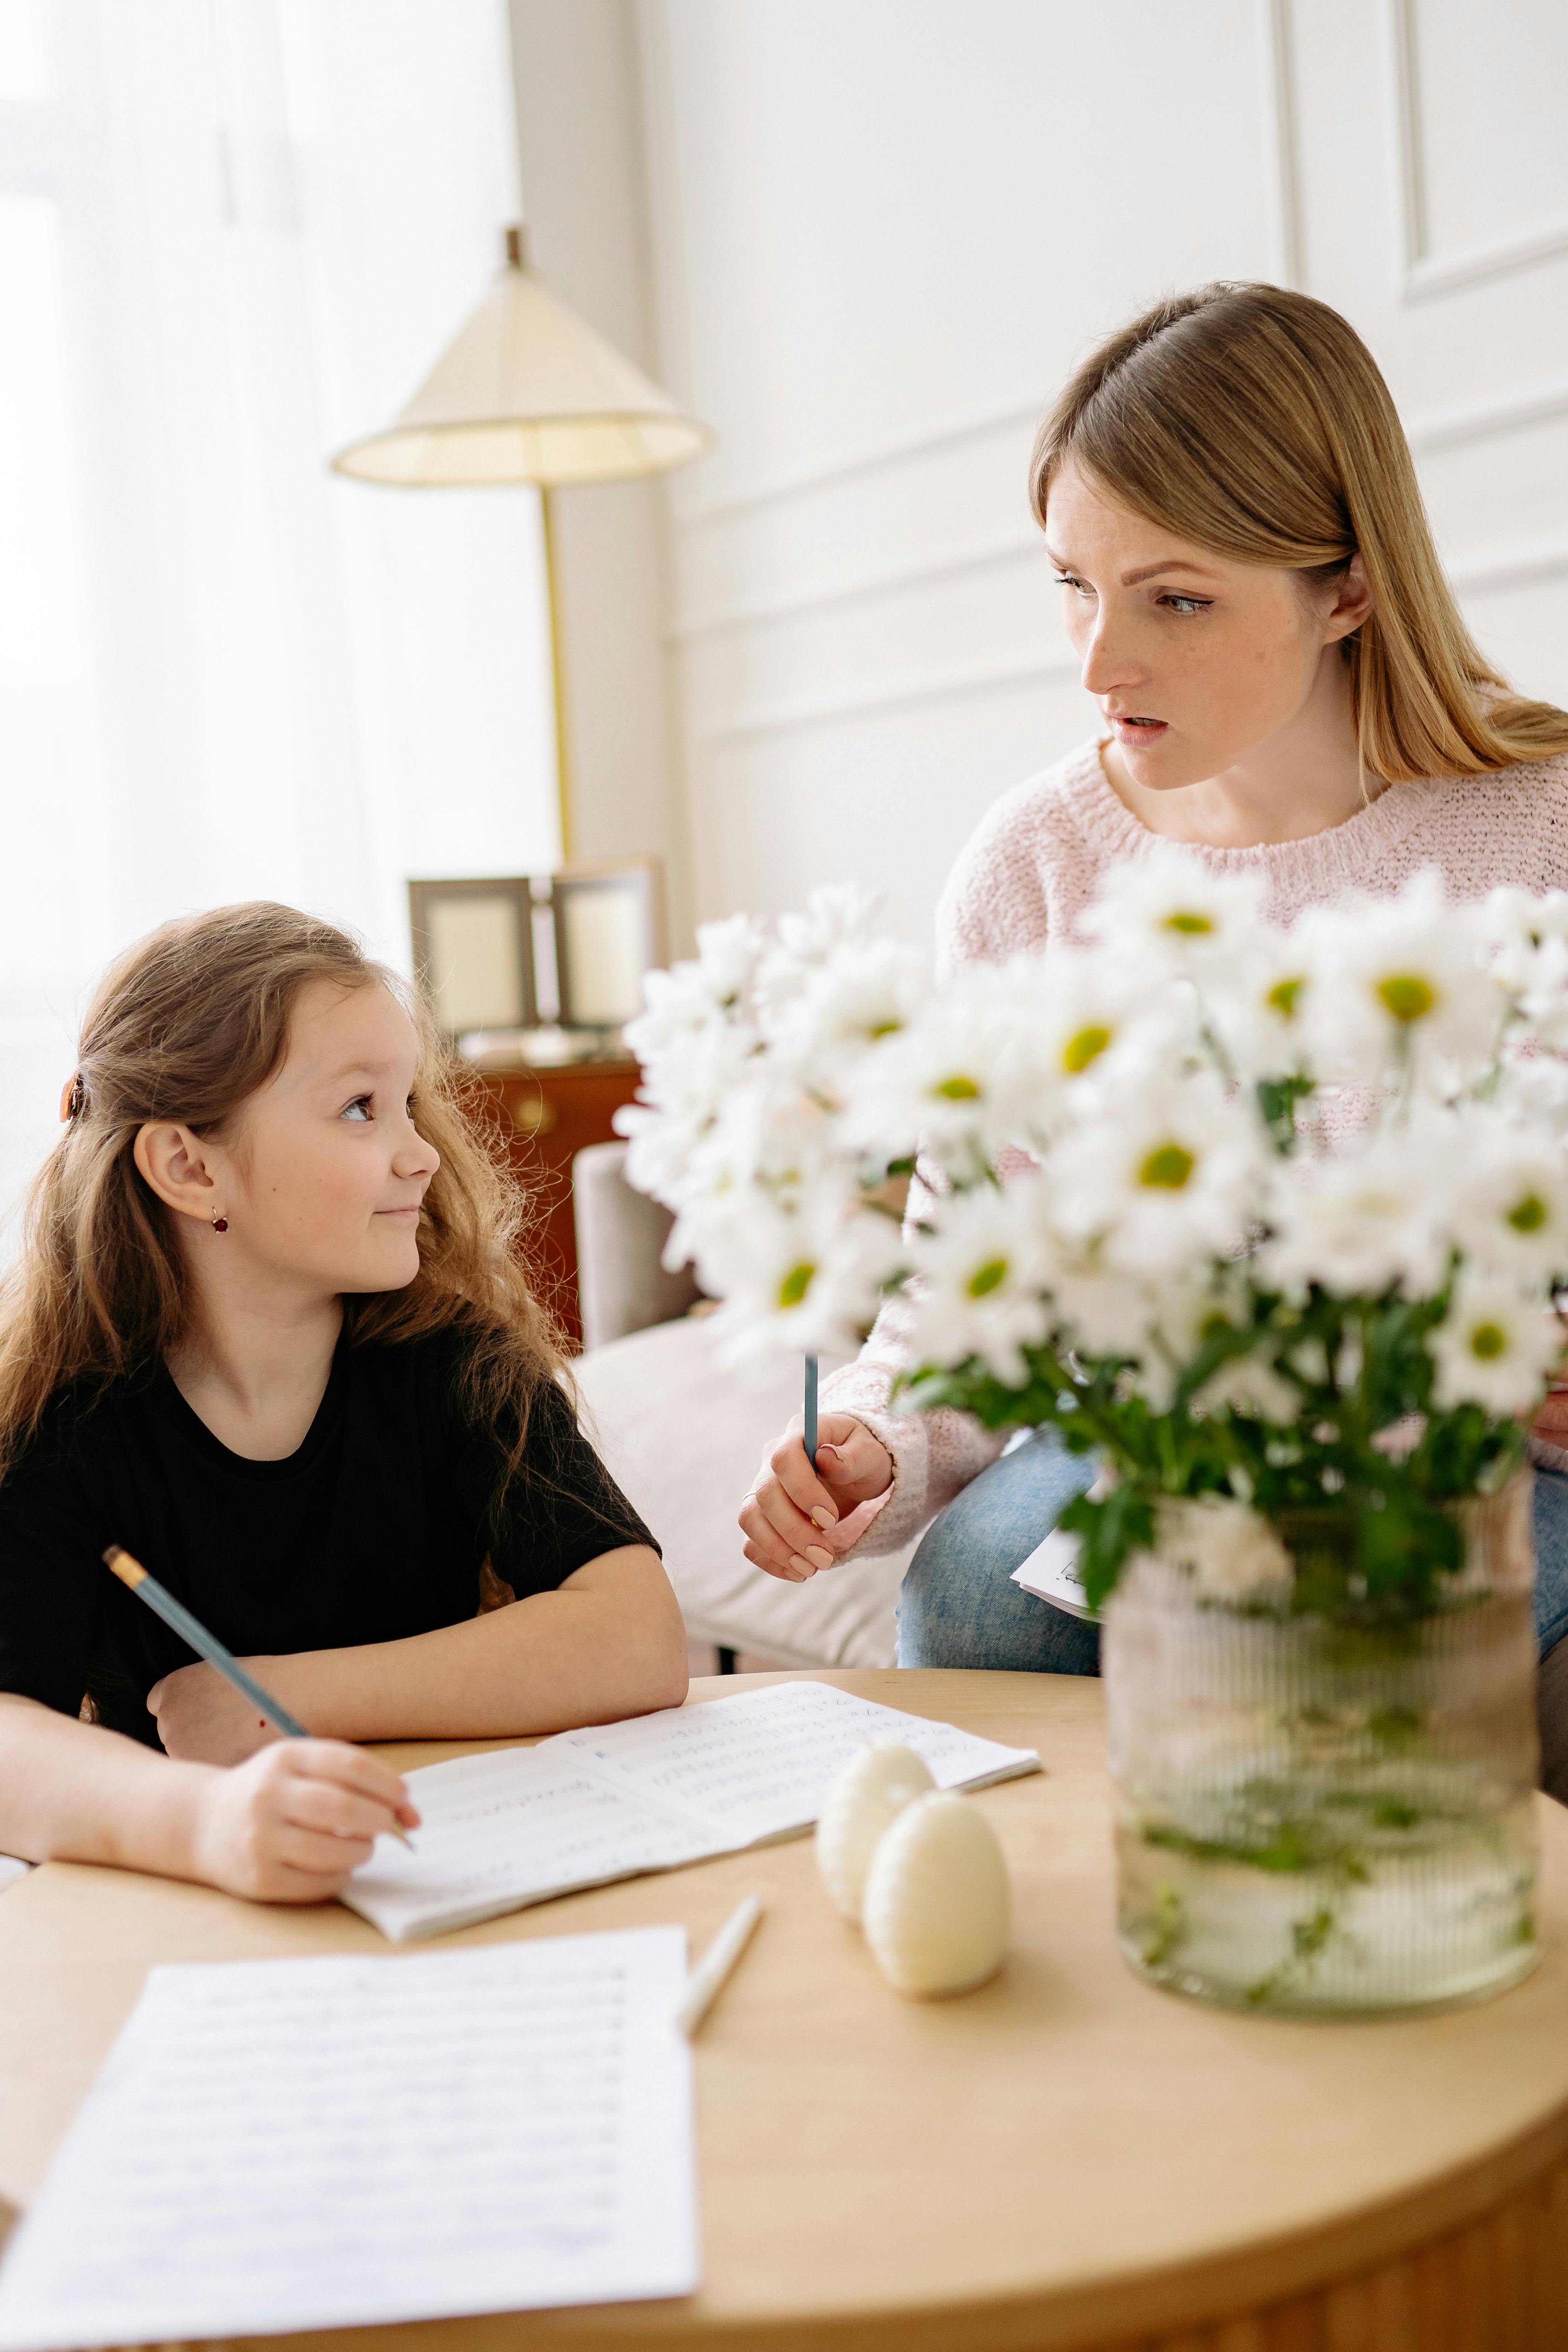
{"points": [[234, 235]]}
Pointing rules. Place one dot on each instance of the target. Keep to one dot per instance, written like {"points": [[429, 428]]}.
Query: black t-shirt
{"points": [[377, 1529]]}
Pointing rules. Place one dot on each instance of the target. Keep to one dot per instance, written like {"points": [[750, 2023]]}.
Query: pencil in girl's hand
{"points": [[809, 1434], [207, 1645]]}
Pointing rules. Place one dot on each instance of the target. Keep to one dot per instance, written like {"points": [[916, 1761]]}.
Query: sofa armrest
{"points": [[622, 1285]]}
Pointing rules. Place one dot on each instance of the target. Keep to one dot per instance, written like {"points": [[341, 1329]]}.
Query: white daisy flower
{"points": [[1257, 1006], [1249, 1385], [981, 1276], [1172, 911], [1495, 1346], [1395, 980], [805, 1278], [952, 1081], [1509, 1197], [864, 990], [1231, 1553], [1086, 1016], [1360, 1223], [1160, 1173], [1101, 1312]]}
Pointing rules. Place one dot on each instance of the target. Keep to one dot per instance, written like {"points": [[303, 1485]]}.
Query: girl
{"points": [[1287, 686], [268, 1332]]}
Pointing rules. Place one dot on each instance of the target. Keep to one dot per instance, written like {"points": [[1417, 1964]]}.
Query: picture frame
{"points": [[473, 952], [608, 925]]}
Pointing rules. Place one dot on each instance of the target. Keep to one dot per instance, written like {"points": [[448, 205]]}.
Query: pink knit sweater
{"points": [[1027, 874]]}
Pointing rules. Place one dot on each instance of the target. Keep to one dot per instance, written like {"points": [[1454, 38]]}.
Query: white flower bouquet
{"points": [[1271, 1221]]}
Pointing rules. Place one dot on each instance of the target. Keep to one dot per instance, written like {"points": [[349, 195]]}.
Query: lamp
{"points": [[528, 391]]}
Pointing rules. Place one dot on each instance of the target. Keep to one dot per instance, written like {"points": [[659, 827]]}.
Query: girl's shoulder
{"points": [[1041, 841]]}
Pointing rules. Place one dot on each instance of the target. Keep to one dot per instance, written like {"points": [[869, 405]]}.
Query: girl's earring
{"points": [[220, 1224]]}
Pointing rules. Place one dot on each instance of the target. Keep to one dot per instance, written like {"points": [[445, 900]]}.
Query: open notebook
{"points": [[521, 1824]]}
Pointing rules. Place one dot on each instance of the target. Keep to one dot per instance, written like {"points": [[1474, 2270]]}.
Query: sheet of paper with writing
{"points": [[275, 2144], [522, 1824]]}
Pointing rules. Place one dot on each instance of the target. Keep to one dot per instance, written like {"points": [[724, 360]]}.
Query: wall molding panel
{"points": [[1426, 274], [1008, 416], [1287, 226], [1525, 566], [1052, 668], [1509, 412]]}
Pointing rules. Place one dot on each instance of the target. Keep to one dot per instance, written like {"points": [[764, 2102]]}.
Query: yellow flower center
{"points": [[1168, 1167], [1283, 994], [1084, 1047], [885, 1028], [1488, 1340], [796, 1283], [958, 1089], [1187, 921], [1406, 995], [1528, 1216], [988, 1276]]}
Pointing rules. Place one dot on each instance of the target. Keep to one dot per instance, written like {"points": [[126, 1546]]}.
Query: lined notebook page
{"points": [[514, 1827], [761, 1764], [522, 1824], [290, 2144]]}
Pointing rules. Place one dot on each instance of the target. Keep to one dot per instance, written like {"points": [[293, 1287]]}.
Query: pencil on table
{"points": [[146, 1586]]}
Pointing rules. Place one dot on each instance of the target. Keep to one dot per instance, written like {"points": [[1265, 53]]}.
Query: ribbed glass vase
{"points": [[1316, 1817]]}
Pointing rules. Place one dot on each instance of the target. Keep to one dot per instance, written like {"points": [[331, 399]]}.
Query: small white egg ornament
{"points": [[937, 1905], [868, 1794]]}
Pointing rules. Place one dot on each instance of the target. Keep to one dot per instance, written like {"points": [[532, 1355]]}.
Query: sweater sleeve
{"points": [[993, 907]]}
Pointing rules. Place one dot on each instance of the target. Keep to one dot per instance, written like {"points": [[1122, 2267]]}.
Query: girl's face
{"points": [[322, 1174], [1195, 660]]}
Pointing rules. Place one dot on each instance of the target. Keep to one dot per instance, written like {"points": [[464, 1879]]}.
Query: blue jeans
{"points": [[960, 1608]]}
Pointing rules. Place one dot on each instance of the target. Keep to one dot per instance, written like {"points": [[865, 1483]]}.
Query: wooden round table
{"points": [[1066, 2158]]}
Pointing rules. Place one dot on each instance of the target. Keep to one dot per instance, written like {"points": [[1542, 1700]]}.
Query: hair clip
{"points": [[73, 1098]]}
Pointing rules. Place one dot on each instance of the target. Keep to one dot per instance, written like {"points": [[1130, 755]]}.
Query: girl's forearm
{"points": [[71, 1792], [610, 1644]]}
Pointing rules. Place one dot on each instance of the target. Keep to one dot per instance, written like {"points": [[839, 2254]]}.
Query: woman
{"points": [[1288, 688]]}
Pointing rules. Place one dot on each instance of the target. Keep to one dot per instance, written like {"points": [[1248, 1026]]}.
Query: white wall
{"points": [[884, 229], [576, 69]]}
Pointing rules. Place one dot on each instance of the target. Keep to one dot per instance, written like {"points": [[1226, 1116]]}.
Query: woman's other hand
{"points": [[294, 1823], [205, 1720], [798, 1518]]}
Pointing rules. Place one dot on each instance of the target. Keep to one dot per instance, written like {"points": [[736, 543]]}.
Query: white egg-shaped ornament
{"points": [[937, 1906], [867, 1795]]}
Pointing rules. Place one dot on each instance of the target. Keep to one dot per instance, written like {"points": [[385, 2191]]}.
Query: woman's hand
{"points": [[1551, 1422], [290, 1825], [203, 1720], [796, 1518]]}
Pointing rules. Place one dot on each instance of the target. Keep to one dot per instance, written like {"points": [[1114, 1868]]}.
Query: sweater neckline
{"points": [[1385, 823]]}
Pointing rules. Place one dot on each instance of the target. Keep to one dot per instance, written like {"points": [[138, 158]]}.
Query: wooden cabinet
{"points": [[548, 1116]]}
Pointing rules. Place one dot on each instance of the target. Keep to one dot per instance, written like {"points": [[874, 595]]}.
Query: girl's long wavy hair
{"points": [[186, 1025], [1253, 421]]}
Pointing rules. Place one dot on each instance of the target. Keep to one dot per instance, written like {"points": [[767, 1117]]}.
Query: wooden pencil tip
{"points": [[130, 1571]]}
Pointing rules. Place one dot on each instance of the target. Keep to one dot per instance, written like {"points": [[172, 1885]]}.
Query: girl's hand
{"points": [[290, 1825], [798, 1519], [205, 1720]]}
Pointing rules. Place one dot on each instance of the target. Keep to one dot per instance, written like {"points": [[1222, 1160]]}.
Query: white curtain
{"points": [[234, 235]]}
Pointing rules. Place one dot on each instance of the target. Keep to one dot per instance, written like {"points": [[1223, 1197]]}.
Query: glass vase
{"points": [[1320, 1817]]}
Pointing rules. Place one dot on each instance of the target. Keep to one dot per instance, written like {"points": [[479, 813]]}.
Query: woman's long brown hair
{"points": [[1254, 420], [186, 1025]]}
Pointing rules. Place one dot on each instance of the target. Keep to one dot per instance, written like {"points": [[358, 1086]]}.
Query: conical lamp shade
{"points": [[528, 393]]}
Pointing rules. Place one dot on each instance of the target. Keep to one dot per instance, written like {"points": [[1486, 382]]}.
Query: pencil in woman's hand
{"points": [[207, 1645]]}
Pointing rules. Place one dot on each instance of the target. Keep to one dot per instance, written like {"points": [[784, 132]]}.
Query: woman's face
{"points": [[1195, 660]]}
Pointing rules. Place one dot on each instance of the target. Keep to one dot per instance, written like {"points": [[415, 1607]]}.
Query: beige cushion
{"points": [[683, 1436]]}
